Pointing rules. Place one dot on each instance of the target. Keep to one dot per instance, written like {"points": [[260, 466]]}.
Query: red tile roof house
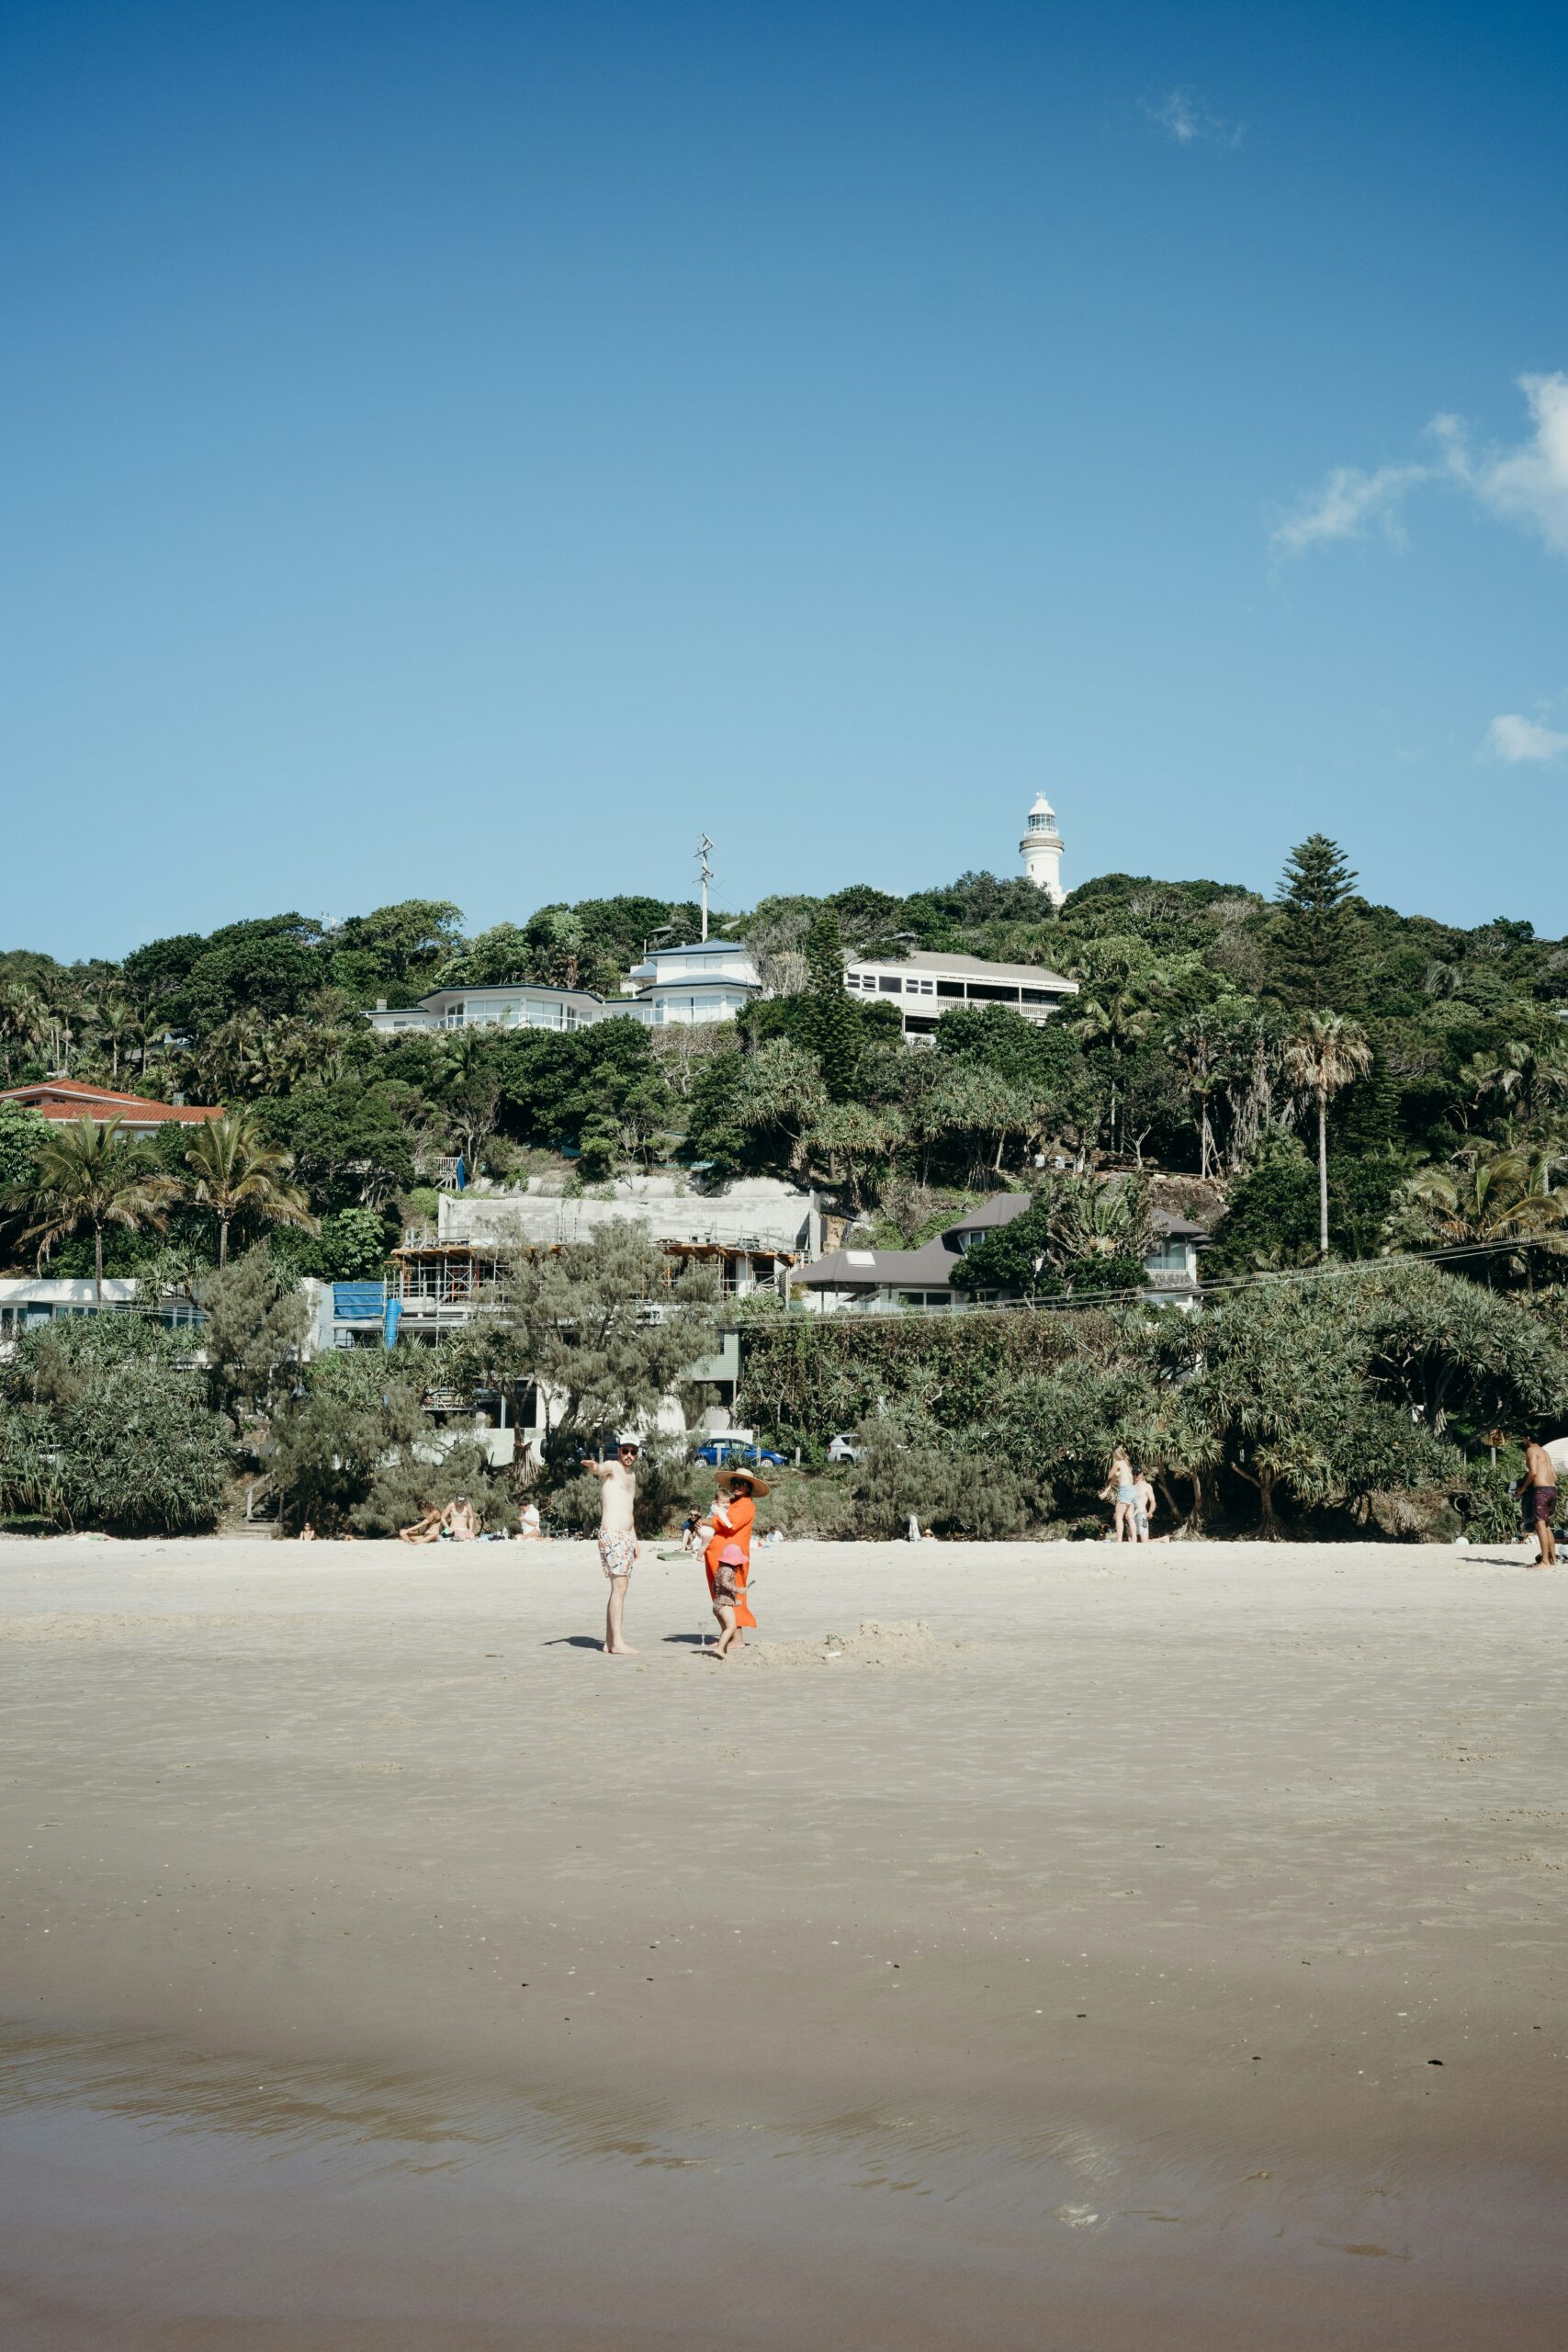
{"points": [[63, 1098]]}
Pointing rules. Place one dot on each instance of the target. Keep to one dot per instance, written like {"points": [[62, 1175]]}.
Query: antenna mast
{"points": [[704, 874]]}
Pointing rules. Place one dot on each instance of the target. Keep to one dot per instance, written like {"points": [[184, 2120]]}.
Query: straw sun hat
{"points": [[759, 1486]]}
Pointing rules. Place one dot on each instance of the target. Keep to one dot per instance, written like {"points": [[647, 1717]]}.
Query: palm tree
{"points": [[23, 1021], [1115, 1011], [1327, 1052], [1484, 1196], [234, 1168], [88, 1175]]}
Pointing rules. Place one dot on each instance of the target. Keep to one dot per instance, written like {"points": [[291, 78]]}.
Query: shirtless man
{"points": [[618, 1546], [1537, 1499]]}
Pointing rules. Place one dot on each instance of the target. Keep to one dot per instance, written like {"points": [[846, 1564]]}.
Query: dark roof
{"points": [[1177, 1229], [927, 1267], [999, 1209]]}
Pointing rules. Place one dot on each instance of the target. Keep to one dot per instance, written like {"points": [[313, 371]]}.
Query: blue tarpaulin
{"points": [[390, 1325], [359, 1302]]}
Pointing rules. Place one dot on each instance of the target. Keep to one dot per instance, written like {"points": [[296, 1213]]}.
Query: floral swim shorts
{"points": [[619, 1555]]}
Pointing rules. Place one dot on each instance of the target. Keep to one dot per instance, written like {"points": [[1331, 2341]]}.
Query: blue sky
{"points": [[468, 450]]}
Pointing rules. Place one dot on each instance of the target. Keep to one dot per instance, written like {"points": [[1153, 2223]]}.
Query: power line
{"points": [[1446, 1254]]}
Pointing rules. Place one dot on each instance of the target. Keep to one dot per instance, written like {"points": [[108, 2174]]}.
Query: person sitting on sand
{"points": [[425, 1529], [1119, 1490], [1537, 1501], [307, 1534], [458, 1521], [689, 1528], [530, 1526]]}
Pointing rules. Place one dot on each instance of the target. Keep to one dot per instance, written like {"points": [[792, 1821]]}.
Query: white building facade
{"points": [[519, 1005], [1041, 849], [708, 979], [924, 986]]}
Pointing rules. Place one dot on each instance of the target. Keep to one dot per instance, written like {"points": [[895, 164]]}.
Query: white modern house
{"points": [[925, 986], [708, 979], [518, 1005]]}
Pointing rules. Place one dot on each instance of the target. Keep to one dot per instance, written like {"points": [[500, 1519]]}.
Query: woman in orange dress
{"points": [[729, 1555]]}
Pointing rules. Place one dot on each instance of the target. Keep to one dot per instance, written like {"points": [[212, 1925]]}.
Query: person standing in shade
{"points": [[1537, 1501], [618, 1546]]}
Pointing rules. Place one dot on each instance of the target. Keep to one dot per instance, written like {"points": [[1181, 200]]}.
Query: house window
{"points": [[983, 992], [950, 987], [890, 984], [920, 986]]}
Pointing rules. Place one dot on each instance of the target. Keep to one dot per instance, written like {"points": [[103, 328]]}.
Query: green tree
{"points": [[102, 1426], [23, 1132], [1314, 960], [1485, 1195], [236, 1171], [602, 1326], [854, 1140], [1281, 1383], [1121, 987], [257, 1323], [395, 951], [88, 1177], [1326, 1054], [834, 1035], [355, 1412], [352, 1143], [273, 966], [778, 1092]]}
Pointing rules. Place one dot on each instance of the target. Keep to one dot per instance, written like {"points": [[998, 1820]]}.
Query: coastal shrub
{"points": [[256, 1323], [572, 1507], [421, 1478], [103, 1423], [799, 1504], [355, 1411], [143, 1454]]}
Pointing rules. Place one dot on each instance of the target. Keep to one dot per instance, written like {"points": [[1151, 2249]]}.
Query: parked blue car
{"points": [[718, 1451]]}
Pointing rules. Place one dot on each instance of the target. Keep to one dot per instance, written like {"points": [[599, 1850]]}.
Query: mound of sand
{"points": [[910, 1645]]}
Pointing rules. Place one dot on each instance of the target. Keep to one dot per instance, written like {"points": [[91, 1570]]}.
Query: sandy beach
{"points": [[1106, 1949]]}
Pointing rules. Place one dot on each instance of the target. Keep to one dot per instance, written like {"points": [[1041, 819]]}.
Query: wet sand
{"points": [[1062, 1965]]}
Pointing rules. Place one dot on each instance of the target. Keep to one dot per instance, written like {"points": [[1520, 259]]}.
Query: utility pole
{"points": [[705, 873]]}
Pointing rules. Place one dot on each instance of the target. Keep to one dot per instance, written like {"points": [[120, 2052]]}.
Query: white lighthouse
{"points": [[1042, 850]]}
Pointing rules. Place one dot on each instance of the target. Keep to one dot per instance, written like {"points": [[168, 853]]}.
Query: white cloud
{"points": [[1526, 484], [1349, 504], [1183, 116], [1511, 738]]}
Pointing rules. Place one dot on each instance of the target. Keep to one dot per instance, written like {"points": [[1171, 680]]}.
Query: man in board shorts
{"points": [[1537, 1501], [618, 1546]]}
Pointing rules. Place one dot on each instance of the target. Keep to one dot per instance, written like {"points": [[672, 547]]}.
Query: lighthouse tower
{"points": [[1042, 850]]}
